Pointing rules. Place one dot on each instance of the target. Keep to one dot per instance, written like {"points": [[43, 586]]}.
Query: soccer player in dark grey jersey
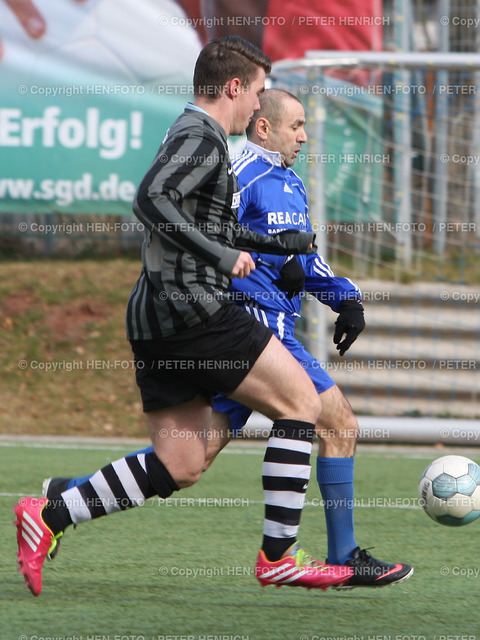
{"points": [[190, 341], [188, 201]]}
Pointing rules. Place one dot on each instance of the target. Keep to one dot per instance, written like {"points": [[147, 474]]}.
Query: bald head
{"points": [[279, 124], [272, 106]]}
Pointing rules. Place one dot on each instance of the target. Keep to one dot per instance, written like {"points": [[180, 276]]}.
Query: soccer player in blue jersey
{"points": [[273, 199]]}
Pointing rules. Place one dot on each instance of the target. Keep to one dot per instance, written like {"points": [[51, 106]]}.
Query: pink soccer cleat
{"points": [[297, 569], [35, 541]]}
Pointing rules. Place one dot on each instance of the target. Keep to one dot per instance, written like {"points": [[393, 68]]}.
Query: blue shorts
{"points": [[283, 327]]}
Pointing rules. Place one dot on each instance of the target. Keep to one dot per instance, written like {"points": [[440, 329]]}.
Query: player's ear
{"points": [[234, 87], [262, 127]]}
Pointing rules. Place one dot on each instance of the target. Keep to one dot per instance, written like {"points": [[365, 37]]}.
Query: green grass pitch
{"points": [[183, 569]]}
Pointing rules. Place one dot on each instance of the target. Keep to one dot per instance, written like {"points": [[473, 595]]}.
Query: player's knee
{"points": [[185, 472], [188, 477], [349, 430], [308, 408], [343, 430], [206, 466], [208, 461]]}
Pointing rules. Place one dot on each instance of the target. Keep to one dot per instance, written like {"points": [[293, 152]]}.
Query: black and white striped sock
{"points": [[120, 485], [285, 476]]}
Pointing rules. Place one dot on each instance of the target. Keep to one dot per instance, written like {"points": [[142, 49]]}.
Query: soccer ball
{"points": [[449, 490]]}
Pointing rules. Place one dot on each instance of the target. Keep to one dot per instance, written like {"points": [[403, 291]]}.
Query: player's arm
{"points": [[283, 243], [341, 295], [180, 168], [321, 282]]}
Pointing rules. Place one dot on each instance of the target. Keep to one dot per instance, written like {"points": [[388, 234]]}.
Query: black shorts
{"points": [[210, 358]]}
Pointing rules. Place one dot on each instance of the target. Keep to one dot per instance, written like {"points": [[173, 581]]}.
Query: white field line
{"points": [[239, 447]]}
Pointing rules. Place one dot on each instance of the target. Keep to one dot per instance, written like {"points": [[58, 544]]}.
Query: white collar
{"points": [[194, 107], [274, 157]]}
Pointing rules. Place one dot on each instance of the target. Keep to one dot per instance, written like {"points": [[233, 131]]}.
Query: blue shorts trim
{"points": [[283, 328]]}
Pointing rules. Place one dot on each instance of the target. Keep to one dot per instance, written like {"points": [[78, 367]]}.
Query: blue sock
{"points": [[74, 482], [335, 479]]}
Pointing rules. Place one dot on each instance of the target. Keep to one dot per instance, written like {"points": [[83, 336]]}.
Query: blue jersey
{"points": [[273, 199]]}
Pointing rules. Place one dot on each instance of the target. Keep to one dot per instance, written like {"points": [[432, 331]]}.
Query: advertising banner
{"points": [[88, 88], [84, 107]]}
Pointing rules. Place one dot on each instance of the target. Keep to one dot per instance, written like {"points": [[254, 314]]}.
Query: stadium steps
{"points": [[420, 352]]}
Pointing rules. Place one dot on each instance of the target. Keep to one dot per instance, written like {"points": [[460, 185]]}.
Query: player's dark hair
{"points": [[272, 106], [226, 58]]}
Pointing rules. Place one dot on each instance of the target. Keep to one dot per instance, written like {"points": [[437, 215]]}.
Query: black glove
{"points": [[350, 322], [292, 278]]}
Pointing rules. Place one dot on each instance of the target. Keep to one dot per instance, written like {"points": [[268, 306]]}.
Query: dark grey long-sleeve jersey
{"points": [[188, 202]]}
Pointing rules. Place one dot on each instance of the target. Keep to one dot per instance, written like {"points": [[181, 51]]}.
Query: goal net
{"points": [[392, 169]]}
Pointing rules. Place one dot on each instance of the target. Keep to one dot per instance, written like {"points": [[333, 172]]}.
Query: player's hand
{"points": [[243, 266], [292, 278], [350, 323]]}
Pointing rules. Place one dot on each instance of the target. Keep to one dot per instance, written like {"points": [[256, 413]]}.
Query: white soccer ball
{"points": [[449, 490]]}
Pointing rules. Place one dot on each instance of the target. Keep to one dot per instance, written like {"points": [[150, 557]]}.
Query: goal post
{"points": [[392, 169]]}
